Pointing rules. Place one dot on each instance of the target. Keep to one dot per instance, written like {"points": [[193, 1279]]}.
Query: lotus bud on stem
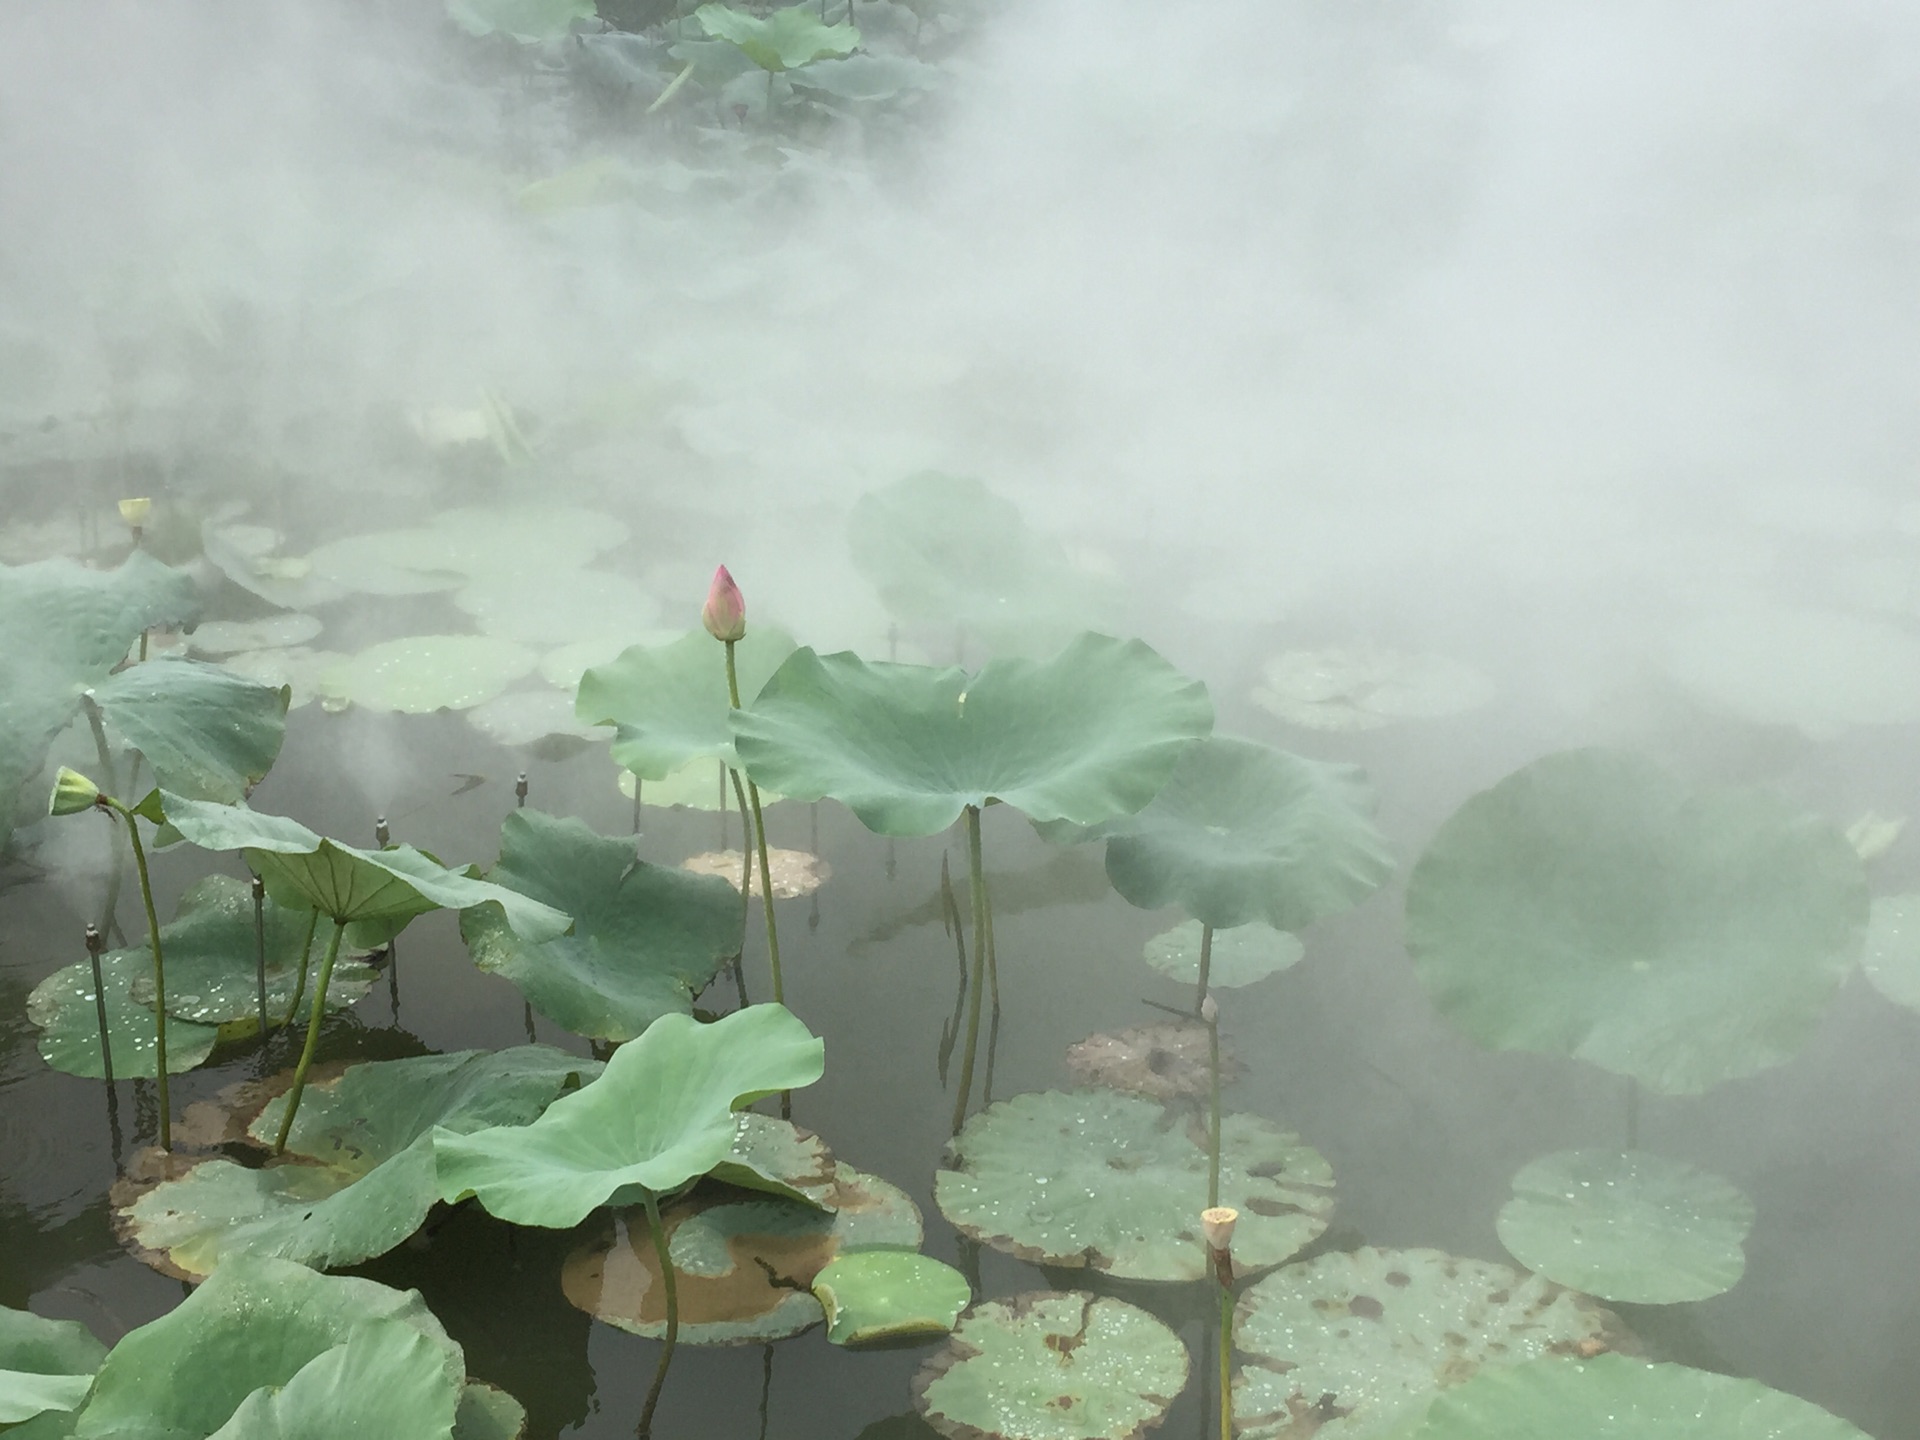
{"points": [[1217, 1222], [725, 613], [135, 513]]}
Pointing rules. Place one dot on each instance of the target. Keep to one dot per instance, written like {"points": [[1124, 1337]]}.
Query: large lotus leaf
{"points": [[872, 1295], [1364, 688], [212, 955], [646, 938], [1892, 954], [660, 1115], [1629, 1227], [1088, 735], [743, 1267], [669, 705], [422, 673], [1613, 1397], [385, 1379], [370, 1132], [549, 607], [1379, 1332], [1239, 956], [64, 1009], [783, 39], [1242, 832], [1592, 905], [1053, 1366], [344, 883], [208, 733], [1111, 1181], [44, 1364], [255, 1323], [460, 544]]}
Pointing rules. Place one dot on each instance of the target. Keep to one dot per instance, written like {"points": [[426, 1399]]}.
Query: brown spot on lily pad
{"points": [[794, 872]]}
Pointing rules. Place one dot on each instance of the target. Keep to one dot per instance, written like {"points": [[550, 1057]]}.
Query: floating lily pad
{"points": [[249, 555], [1630, 1227], [873, 1295], [528, 21], [1088, 735], [794, 872], [1053, 1366], [63, 1007], [1365, 688], [1613, 1397], [1592, 905], [1164, 1061], [1240, 956], [645, 938], [220, 638], [744, 1266], [44, 1364], [1350, 1344], [297, 668], [538, 721], [546, 607], [563, 668], [1892, 954], [428, 672], [1112, 1182], [460, 544], [783, 39], [1872, 835], [1820, 670]]}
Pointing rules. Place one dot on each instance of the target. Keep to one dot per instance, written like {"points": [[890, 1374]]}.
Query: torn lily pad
{"points": [[1240, 956], [877, 1295], [62, 1006], [1053, 1365], [794, 872], [1114, 1182], [1633, 1227], [44, 1364], [745, 1264], [1367, 687], [1168, 1060], [423, 673]]}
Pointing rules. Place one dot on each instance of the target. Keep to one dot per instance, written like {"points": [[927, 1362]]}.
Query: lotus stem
{"points": [[759, 838], [159, 971], [636, 804], [110, 909], [95, 944], [659, 1233], [1217, 1224], [1633, 1113], [1226, 1362], [977, 881], [300, 982], [1206, 964], [1210, 1014], [313, 1036], [746, 892], [260, 948]]}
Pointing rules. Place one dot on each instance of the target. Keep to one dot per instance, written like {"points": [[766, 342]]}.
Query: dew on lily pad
{"points": [[63, 1008], [422, 673], [1167, 1060], [1366, 687], [1633, 1227], [1240, 956], [794, 872], [1891, 957], [889, 1294], [457, 545], [221, 638], [298, 667]]}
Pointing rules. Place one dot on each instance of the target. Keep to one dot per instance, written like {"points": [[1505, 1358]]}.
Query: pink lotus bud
{"points": [[1218, 1224], [725, 613]]}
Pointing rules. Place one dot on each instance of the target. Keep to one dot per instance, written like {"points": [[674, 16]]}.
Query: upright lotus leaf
{"points": [[646, 938], [873, 1295], [1351, 1344], [1892, 954], [1088, 735], [1630, 1227], [1365, 688], [208, 733], [1112, 1182], [743, 1266], [1242, 832], [386, 1378], [366, 1177], [1613, 1397], [783, 39], [661, 1114], [1240, 956], [1592, 905], [423, 673], [1053, 1366], [64, 1009], [668, 704], [44, 1364]]}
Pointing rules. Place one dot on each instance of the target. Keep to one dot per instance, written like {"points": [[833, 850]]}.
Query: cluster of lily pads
{"points": [[1589, 905]]}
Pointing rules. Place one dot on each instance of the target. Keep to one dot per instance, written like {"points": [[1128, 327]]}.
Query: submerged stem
{"points": [[313, 1036], [659, 1233], [159, 973], [977, 880]]}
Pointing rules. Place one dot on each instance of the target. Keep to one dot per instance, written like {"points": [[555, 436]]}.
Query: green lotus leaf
{"points": [[1241, 832], [1088, 735], [1591, 905], [779, 1157], [44, 1364], [661, 1114], [668, 704], [208, 733], [64, 1009], [220, 638], [346, 884], [783, 39], [1380, 1332], [423, 673], [538, 721], [1365, 688], [1630, 1227], [1613, 1397], [871, 1295], [1050, 1365], [297, 669], [489, 1413], [948, 552], [1239, 957], [870, 77], [249, 555], [385, 1379], [549, 607], [373, 1180], [528, 21], [1112, 1182], [646, 938], [743, 1266], [458, 545], [1891, 957], [1819, 670], [213, 958]]}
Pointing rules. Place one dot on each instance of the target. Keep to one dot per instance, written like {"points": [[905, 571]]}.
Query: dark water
{"points": [[1423, 1131]]}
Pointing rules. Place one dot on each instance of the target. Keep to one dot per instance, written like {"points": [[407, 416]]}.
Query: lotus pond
{"points": [[471, 968]]}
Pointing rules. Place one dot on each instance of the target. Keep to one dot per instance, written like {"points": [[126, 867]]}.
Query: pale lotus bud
{"points": [[1218, 1224], [72, 793], [725, 613], [1209, 1012], [136, 511]]}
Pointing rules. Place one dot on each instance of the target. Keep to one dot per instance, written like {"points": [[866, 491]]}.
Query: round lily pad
{"points": [[1892, 954], [1630, 1227], [428, 672], [297, 667], [696, 785], [1353, 1343], [1591, 904], [872, 1295], [1239, 957], [229, 637], [1365, 688], [794, 872], [458, 544], [1053, 1365], [1112, 1182], [1168, 1060], [537, 720], [63, 1007], [1820, 670], [547, 607], [744, 1265]]}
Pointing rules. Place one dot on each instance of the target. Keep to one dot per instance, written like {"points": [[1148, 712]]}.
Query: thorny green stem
{"points": [[313, 1036], [300, 981], [760, 840], [1206, 964], [659, 1233], [977, 880], [159, 971]]}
